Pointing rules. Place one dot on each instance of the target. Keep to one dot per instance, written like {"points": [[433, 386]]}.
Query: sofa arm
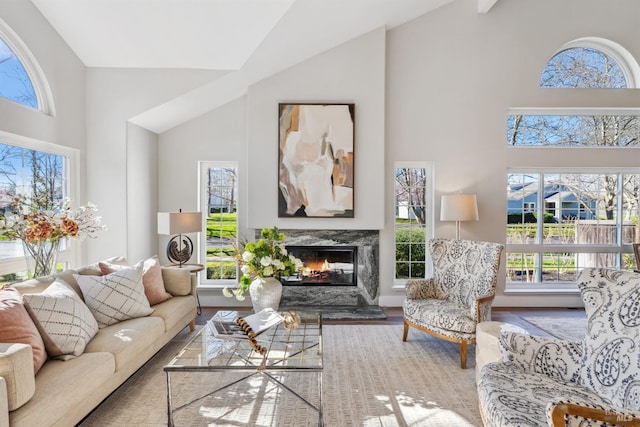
{"points": [[178, 281], [4, 403], [558, 359], [559, 412], [16, 367], [420, 289]]}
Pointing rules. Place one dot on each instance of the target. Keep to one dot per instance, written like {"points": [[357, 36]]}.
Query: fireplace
{"points": [[324, 265]]}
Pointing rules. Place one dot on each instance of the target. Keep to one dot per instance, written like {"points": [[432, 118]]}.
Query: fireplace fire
{"points": [[324, 265]]}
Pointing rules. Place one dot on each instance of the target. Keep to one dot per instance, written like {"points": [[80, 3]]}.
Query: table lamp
{"points": [[458, 207], [179, 248]]}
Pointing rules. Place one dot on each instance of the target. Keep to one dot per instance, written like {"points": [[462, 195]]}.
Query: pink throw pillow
{"points": [[18, 327], [151, 278]]}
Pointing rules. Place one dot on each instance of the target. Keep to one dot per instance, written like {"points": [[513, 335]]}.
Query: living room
{"points": [[435, 88]]}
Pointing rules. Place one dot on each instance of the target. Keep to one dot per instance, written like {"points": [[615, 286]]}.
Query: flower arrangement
{"points": [[42, 230], [266, 257]]}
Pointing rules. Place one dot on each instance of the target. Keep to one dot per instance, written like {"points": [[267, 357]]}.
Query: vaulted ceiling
{"points": [[253, 38]]}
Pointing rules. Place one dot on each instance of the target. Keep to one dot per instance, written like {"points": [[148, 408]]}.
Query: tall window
{"points": [[38, 171], [413, 211], [219, 201], [560, 221]]}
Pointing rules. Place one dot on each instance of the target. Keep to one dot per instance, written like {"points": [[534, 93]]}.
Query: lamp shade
{"points": [[458, 207], [179, 222]]}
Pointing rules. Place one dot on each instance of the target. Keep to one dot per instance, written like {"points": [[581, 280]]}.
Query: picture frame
{"points": [[316, 160], [636, 253]]}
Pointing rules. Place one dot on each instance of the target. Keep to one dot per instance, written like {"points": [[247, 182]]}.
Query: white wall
{"points": [[113, 97], [353, 72]]}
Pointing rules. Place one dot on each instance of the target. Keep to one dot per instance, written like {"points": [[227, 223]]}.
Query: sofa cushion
{"points": [[16, 367], [64, 321], [63, 387], [22, 330], [131, 342], [441, 314], [151, 278], [177, 281], [115, 297], [611, 345], [174, 310]]}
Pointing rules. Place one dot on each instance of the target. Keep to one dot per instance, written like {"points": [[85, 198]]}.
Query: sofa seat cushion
{"points": [[55, 381], [131, 342], [509, 396], [443, 316], [174, 310]]}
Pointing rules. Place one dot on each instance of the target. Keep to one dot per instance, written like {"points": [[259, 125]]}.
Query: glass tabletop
{"points": [[299, 349]]}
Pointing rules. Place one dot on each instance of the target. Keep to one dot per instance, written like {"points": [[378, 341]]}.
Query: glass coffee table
{"points": [[290, 370]]}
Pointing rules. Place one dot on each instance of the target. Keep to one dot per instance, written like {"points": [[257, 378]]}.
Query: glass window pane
{"points": [[222, 223], [582, 68], [15, 83], [410, 223]]}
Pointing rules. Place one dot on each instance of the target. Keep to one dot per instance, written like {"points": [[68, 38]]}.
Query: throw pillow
{"points": [[115, 297], [612, 343], [64, 321], [151, 278], [18, 326]]}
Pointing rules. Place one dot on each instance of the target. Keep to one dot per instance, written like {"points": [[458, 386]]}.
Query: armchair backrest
{"points": [[464, 270]]}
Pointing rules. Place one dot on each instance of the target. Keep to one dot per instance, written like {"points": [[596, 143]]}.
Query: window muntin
{"points": [[413, 211], [553, 130], [15, 83], [219, 200], [592, 224], [582, 67]]}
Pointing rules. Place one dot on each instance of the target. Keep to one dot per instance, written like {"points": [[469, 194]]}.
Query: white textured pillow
{"points": [[64, 321], [115, 297]]}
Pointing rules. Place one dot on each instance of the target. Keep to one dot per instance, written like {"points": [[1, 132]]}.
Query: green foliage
{"points": [[221, 270], [410, 252], [222, 225], [529, 218]]}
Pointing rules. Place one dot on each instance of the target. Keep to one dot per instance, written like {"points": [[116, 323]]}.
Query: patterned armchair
{"points": [[593, 382], [458, 296]]}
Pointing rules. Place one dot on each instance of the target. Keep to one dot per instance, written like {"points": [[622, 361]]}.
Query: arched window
{"points": [[591, 63], [21, 78]]}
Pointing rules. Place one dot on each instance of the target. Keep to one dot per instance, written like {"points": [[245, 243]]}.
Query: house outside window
{"points": [[219, 204], [560, 220], [413, 219]]}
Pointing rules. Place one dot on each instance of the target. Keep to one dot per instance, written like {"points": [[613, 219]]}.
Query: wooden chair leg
{"points": [[463, 355], [192, 325], [406, 331]]}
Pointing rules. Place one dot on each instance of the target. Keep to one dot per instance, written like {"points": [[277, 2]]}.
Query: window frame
{"points": [[203, 167], [71, 253], [41, 87], [429, 198], [540, 248]]}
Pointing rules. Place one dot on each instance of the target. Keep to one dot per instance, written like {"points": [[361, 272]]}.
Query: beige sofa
{"points": [[62, 393]]}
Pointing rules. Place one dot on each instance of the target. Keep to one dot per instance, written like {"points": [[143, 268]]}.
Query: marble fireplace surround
{"points": [[337, 302]]}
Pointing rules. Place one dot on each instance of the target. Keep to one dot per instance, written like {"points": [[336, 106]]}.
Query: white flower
{"points": [[245, 269], [227, 292], [283, 250], [278, 265], [268, 271], [266, 261], [238, 293], [247, 256]]}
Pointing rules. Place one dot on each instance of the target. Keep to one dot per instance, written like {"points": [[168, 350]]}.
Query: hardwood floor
{"points": [[394, 316]]}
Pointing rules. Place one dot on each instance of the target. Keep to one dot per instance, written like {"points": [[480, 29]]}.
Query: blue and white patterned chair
{"points": [[593, 382], [458, 296]]}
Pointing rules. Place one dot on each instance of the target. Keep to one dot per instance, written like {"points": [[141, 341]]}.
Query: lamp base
{"points": [[179, 249]]}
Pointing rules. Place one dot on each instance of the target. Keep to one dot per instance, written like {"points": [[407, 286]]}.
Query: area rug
{"points": [[568, 328], [371, 378]]}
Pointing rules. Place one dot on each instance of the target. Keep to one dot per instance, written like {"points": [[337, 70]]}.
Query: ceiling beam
{"points": [[484, 6]]}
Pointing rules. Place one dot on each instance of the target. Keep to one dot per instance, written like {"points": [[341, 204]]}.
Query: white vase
{"points": [[265, 292]]}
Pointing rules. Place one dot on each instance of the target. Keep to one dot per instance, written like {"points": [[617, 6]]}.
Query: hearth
{"points": [[324, 265]]}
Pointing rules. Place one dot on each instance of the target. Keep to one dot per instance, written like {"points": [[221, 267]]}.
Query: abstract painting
{"points": [[315, 176]]}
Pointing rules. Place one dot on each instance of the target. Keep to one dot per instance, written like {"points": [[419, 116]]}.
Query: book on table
{"points": [[258, 323]]}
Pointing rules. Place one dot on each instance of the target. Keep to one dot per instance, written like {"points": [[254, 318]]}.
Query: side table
{"points": [[193, 269]]}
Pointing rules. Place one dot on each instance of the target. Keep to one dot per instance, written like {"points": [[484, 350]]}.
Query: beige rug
{"points": [[371, 378], [569, 328]]}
